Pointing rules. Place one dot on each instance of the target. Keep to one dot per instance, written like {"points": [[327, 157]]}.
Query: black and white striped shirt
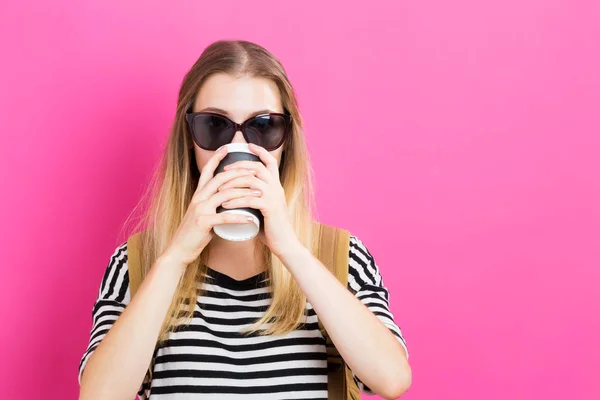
{"points": [[211, 359]]}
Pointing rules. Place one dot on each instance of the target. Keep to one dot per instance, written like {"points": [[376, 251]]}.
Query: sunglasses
{"points": [[211, 130]]}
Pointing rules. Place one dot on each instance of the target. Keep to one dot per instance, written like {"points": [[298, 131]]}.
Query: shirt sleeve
{"points": [[366, 282], [113, 297]]}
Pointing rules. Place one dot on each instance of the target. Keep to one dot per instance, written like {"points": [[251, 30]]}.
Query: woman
{"points": [[250, 331]]}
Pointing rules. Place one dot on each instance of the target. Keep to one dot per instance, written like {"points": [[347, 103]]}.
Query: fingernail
{"points": [[256, 192]]}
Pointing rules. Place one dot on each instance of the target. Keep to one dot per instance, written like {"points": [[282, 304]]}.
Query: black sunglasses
{"points": [[211, 130]]}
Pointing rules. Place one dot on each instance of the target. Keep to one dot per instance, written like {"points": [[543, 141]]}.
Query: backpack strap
{"points": [[134, 266], [333, 250]]}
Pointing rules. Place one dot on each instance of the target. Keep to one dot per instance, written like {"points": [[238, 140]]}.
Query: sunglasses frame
{"points": [[189, 116]]}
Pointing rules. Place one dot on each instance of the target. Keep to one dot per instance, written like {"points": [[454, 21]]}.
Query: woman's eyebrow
{"points": [[224, 112]]}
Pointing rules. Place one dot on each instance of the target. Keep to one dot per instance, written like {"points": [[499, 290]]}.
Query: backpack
{"points": [[332, 251]]}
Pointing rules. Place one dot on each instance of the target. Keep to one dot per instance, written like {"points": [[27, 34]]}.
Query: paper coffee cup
{"points": [[244, 231]]}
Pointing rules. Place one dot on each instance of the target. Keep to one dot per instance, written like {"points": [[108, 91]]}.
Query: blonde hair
{"points": [[176, 178]]}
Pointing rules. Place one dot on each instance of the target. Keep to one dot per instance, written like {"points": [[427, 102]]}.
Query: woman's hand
{"points": [[195, 230], [269, 197]]}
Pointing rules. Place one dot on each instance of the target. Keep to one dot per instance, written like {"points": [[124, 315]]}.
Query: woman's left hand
{"points": [[278, 233]]}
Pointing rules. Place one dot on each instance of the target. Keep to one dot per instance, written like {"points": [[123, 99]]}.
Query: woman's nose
{"points": [[238, 138]]}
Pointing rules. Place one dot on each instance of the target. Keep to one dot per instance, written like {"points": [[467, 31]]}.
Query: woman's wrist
{"points": [[170, 261], [294, 251]]}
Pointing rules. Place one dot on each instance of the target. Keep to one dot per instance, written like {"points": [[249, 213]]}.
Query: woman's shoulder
{"points": [[359, 250], [362, 268], [118, 253], [114, 286]]}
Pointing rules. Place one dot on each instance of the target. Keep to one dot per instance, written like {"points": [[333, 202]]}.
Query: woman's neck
{"points": [[238, 260]]}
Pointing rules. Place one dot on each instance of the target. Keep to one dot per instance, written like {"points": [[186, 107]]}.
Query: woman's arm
{"points": [[117, 366], [370, 349]]}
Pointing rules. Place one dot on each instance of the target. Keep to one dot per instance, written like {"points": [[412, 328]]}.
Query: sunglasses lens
{"points": [[267, 131], [211, 131]]}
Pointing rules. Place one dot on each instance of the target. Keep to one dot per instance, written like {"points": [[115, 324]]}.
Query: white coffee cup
{"points": [[241, 231]]}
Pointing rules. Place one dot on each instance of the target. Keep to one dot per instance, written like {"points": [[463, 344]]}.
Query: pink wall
{"points": [[459, 140]]}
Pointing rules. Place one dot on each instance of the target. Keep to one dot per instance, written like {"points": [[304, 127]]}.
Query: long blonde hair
{"points": [[173, 183]]}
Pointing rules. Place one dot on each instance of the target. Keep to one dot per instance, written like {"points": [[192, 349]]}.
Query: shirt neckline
{"points": [[256, 281]]}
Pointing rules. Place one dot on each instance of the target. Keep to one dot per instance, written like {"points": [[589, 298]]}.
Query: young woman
{"points": [[237, 319]]}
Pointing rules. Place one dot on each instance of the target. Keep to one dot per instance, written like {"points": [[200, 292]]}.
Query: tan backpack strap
{"points": [[134, 264], [332, 251], [334, 245]]}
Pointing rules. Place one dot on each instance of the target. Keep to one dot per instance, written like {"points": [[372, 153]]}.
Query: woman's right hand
{"points": [[195, 230]]}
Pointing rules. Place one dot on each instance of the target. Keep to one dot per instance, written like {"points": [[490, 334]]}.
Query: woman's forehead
{"points": [[238, 98]]}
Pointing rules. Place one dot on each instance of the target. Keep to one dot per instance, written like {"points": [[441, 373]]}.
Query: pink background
{"points": [[458, 139]]}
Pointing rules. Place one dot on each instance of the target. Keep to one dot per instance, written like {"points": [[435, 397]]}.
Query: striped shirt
{"points": [[212, 359]]}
